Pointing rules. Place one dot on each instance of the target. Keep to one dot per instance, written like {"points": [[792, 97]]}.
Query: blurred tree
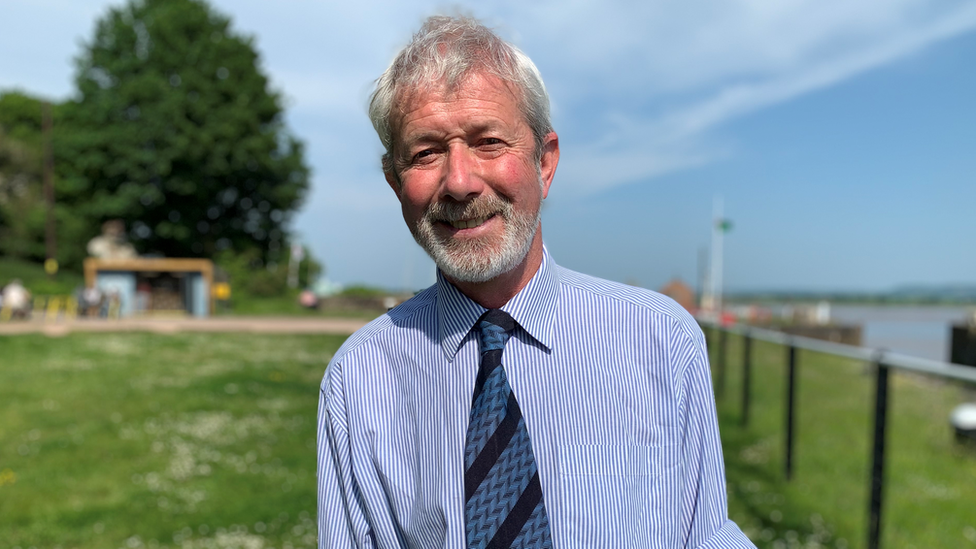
{"points": [[22, 210], [21, 199], [20, 117], [176, 131]]}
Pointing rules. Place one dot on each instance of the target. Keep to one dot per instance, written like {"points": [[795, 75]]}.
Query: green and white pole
{"points": [[720, 226]]}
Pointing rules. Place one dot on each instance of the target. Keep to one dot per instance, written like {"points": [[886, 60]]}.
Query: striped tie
{"points": [[503, 498]]}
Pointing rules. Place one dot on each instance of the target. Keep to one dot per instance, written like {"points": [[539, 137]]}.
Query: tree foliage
{"points": [[176, 130], [22, 211], [20, 118]]}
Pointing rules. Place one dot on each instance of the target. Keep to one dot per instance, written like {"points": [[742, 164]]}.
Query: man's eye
{"points": [[492, 141], [423, 154]]}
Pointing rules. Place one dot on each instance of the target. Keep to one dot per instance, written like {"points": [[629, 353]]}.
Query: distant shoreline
{"points": [[760, 298]]}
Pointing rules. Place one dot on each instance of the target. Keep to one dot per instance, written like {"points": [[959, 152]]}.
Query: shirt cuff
{"points": [[728, 536]]}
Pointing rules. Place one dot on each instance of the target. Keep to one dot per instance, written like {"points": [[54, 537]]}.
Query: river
{"points": [[917, 330]]}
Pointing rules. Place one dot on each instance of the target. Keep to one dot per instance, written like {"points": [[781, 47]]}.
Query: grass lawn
{"points": [[287, 305], [139, 440], [930, 489]]}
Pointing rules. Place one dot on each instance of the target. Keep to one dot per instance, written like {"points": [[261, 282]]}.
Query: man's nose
{"points": [[462, 180]]}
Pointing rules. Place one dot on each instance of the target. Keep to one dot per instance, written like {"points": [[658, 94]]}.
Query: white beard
{"points": [[477, 260]]}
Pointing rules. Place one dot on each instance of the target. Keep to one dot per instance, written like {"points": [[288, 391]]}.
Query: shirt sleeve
{"points": [[341, 518], [704, 513]]}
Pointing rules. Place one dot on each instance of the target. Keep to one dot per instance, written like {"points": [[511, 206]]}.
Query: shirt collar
{"points": [[533, 308]]}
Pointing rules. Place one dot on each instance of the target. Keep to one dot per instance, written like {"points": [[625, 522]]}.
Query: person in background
{"points": [[17, 299], [92, 298]]}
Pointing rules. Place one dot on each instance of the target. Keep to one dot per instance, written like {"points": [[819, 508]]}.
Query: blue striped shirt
{"points": [[614, 385]]}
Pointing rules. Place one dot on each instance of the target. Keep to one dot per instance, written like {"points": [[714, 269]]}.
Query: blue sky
{"points": [[841, 135]]}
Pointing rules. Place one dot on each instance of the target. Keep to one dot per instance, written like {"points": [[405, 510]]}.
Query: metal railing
{"points": [[883, 362]]}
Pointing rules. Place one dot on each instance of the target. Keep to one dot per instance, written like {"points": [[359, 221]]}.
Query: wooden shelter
{"points": [[155, 285]]}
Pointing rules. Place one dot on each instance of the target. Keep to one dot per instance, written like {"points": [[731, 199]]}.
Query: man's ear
{"points": [[393, 181], [548, 161]]}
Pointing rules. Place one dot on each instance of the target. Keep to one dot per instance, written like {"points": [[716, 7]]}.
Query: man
{"points": [[514, 403]]}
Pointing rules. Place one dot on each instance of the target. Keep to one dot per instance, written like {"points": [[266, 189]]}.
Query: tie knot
{"points": [[494, 329]]}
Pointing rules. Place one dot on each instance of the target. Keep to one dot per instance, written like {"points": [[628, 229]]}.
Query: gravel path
{"points": [[264, 325]]}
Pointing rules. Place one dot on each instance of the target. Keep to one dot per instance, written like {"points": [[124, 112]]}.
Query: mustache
{"points": [[481, 206]]}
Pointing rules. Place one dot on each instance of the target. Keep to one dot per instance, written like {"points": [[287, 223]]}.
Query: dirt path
{"points": [[263, 325]]}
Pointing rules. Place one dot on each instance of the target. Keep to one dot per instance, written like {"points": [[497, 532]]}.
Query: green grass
{"points": [[930, 488], [243, 304], [139, 440], [287, 305]]}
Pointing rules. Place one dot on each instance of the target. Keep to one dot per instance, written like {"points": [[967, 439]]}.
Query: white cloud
{"points": [[680, 47], [737, 99], [641, 104]]}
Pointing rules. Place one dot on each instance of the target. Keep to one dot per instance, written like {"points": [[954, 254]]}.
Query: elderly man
{"points": [[514, 403]]}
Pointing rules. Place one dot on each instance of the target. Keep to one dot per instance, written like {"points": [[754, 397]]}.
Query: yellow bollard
{"points": [[53, 308], [71, 308], [5, 314]]}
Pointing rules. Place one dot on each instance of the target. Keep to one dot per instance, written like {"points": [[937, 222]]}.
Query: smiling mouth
{"points": [[469, 223]]}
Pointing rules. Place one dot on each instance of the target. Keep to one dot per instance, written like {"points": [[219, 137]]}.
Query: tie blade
{"points": [[527, 524], [503, 495], [488, 447]]}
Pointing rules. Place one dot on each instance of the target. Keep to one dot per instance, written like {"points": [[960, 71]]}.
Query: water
{"points": [[922, 331]]}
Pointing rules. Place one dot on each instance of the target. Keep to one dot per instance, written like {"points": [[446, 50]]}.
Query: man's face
{"points": [[470, 181]]}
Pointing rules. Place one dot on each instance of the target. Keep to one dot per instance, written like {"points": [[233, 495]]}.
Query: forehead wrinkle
{"points": [[471, 125], [467, 125], [407, 96]]}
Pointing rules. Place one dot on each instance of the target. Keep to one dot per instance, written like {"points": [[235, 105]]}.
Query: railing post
{"points": [[790, 409], [723, 340], [746, 376], [877, 454]]}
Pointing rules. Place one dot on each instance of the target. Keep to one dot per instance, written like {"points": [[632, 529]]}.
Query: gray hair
{"points": [[444, 52]]}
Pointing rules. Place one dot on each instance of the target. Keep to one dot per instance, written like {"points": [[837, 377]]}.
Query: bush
{"points": [[363, 291], [249, 275], [36, 280]]}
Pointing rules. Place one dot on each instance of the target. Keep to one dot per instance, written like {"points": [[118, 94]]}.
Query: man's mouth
{"points": [[469, 223]]}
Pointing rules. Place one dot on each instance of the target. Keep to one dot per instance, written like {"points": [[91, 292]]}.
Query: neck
{"points": [[494, 293]]}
